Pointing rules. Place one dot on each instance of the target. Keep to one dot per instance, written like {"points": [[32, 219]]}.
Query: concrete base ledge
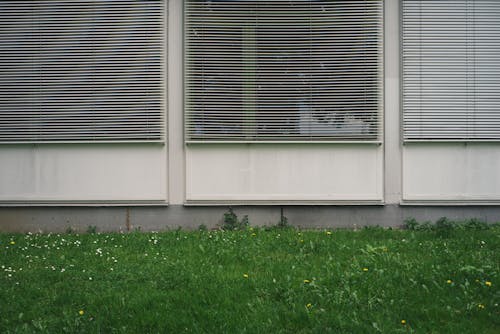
{"points": [[60, 219]]}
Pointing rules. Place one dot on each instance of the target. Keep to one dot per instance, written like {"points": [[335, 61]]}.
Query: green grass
{"points": [[298, 282]]}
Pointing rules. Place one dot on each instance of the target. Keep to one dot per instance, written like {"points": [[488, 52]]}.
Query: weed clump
{"points": [[411, 224], [232, 223], [283, 223], [91, 229], [444, 226], [476, 224]]}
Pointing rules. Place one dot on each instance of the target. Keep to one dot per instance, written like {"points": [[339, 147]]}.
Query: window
{"points": [[283, 70], [451, 70], [79, 71]]}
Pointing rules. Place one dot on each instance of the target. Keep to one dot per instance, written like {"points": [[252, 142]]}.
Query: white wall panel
{"points": [[83, 173], [288, 172], [451, 172]]}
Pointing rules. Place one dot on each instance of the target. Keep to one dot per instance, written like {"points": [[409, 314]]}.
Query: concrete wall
{"points": [[83, 173], [53, 187], [328, 173], [150, 218], [451, 172]]}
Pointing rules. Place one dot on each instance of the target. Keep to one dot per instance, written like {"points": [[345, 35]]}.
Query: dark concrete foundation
{"points": [[151, 218]]}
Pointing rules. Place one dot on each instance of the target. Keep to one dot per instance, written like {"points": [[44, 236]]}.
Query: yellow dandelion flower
{"points": [[12, 242], [403, 322], [488, 283], [309, 305], [81, 312], [449, 281], [328, 233], [245, 275], [365, 269], [481, 306], [307, 281]]}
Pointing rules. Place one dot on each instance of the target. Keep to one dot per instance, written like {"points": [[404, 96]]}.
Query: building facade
{"points": [[164, 113]]}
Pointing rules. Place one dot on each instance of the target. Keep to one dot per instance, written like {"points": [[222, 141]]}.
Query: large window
{"points": [[283, 70], [78, 71], [451, 70]]}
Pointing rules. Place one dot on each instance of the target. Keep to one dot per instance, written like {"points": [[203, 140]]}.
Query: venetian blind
{"points": [[451, 70], [283, 70], [73, 71]]}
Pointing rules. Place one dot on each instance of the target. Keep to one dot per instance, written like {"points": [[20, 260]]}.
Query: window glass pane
{"points": [[74, 71], [283, 70], [451, 70]]}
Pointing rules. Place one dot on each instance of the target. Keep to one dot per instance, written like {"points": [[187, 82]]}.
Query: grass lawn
{"points": [[252, 281]]}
